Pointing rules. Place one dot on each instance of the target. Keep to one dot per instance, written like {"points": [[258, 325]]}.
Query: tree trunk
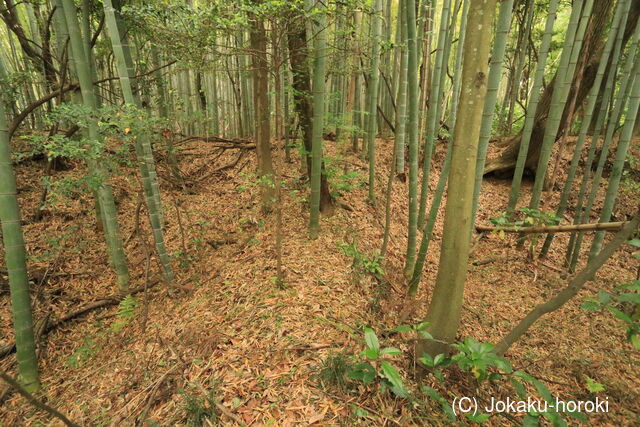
{"points": [[298, 56], [15, 258], [504, 164], [446, 303], [258, 40]]}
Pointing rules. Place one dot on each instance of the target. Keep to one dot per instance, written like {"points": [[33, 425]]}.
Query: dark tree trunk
{"points": [[258, 40], [8, 14], [299, 57], [202, 97], [504, 164]]}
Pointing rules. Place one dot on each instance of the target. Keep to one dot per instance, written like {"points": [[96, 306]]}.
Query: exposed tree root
{"points": [[100, 303]]}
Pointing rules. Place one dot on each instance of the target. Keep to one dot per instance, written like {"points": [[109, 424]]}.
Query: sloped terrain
{"points": [[228, 339]]}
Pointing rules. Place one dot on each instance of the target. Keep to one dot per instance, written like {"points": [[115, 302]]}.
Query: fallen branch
{"points": [[571, 290], [491, 259], [601, 226], [236, 142], [35, 402], [100, 303]]}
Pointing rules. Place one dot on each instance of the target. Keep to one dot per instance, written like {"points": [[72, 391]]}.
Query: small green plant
{"points": [[334, 370], [592, 385], [362, 263], [185, 259], [624, 295], [479, 359], [373, 364], [345, 182], [378, 367], [200, 409], [342, 180], [532, 218], [126, 313], [82, 353]]}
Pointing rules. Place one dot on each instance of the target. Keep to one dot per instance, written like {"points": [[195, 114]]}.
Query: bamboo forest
{"points": [[319, 212]]}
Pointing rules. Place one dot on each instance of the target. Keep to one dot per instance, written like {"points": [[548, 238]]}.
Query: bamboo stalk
{"points": [[600, 226]]}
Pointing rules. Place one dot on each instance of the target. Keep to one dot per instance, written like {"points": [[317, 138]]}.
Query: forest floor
{"points": [[227, 339]]}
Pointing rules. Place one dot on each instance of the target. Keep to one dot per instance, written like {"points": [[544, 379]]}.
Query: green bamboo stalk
{"points": [[433, 112], [372, 95], [143, 144], [564, 77], [455, 90], [493, 84], [520, 56], [105, 195], [401, 103], [627, 76], [412, 134], [385, 97], [357, 113], [600, 122], [427, 231], [532, 106], [126, 68], [318, 89], [425, 36], [587, 119], [618, 164], [446, 303], [15, 258]]}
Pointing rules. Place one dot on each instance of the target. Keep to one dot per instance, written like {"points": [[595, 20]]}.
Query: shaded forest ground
{"points": [[227, 332]]}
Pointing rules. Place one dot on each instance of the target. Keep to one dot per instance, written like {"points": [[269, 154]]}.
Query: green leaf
{"points": [[619, 314], [635, 341], [494, 376], [478, 418], [500, 363], [394, 378], [402, 328], [629, 297], [391, 351], [427, 359], [555, 418], [633, 286], [634, 242], [604, 297], [371, 339], [522, 392], [359, 412], [446, 407], [438, 359], [543, 390], [425, 335], [578, 416], [592, 385], [420, 326], [530, 420], [363, 372], [371, 354], [590, 306], [524, 376]]}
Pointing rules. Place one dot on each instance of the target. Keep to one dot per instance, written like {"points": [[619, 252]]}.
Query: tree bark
{"points": [[446, 303], [299, 57], [600, 226], [504, 164], [258, 40]]}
